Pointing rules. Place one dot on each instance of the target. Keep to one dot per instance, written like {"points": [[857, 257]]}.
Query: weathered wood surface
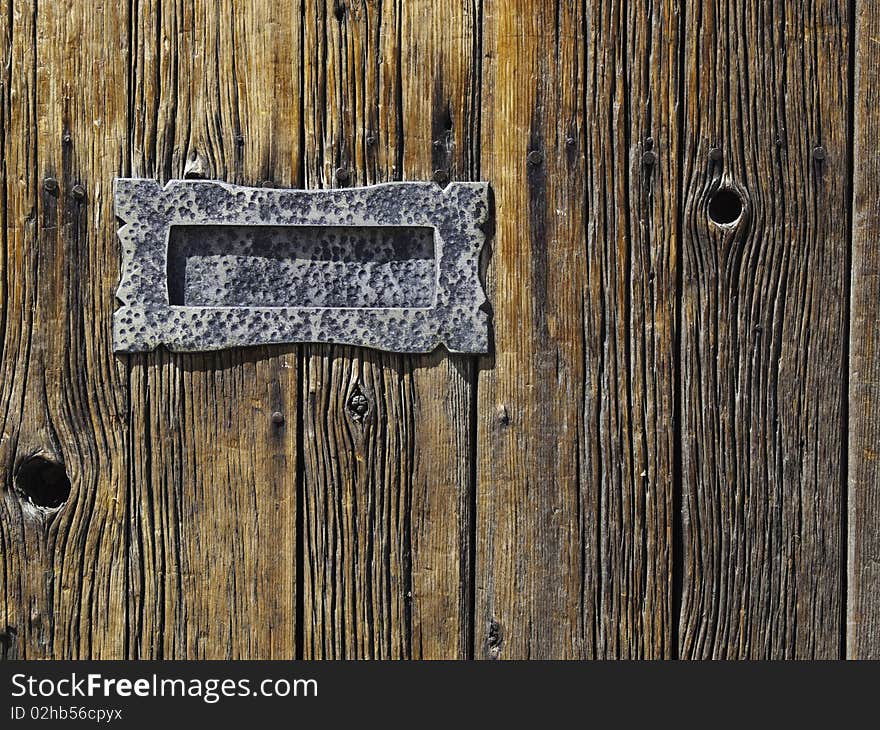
{"points": [[763, 317], [652, 462], [386, 494], [575, 450], [863, 583], [64, 395], [213, 478]]}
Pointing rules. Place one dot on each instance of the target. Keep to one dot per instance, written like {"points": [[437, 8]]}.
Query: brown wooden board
{"points": [[863, 607], [389, 94], [763, 324], [64, 396], [213, 477], [575, 448]]}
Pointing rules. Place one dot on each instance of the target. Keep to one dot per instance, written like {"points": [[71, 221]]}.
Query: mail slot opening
{"points": [[301, 266]]}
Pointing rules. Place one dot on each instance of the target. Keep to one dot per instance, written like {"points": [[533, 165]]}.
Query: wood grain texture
{"points": [[576, 441], [763, 323], [863, 584], [652, 463], [441, 51], [531, 529], [63, 393], [213, 478], [389, 94], [629, 436]]}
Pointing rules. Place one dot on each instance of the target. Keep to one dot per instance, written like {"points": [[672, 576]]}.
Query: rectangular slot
{"points": [[301, 266]]}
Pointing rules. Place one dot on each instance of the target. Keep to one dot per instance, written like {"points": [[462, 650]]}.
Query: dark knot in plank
{"points": [[43, 482]]}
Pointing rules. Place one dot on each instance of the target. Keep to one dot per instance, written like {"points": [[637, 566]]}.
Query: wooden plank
{"points": [[386, 437], [63, 394], [863, 608], [440, 51], [575, 440], [763, 329], [632, 262], [213, 553]]}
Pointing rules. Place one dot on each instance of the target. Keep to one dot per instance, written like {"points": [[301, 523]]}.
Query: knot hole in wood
{"points": [[43, 482], [358, 405], [726, 206]]}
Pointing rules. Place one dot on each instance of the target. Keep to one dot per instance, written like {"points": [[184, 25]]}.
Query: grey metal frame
{"points": [[458, 213]]}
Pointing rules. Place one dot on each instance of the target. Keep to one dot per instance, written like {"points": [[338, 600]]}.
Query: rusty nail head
{"points": [[535, 157], [78, 192], [50, 185], [649, 143], [239, 139], [570, 141], [819, 153], [66, 138], [441, 177], [342, 174], [277, 418], [371, 139], [649, 158], [716, 154]]}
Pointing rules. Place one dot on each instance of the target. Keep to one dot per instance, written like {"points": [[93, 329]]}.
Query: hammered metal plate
{"points": [[207, 265]]}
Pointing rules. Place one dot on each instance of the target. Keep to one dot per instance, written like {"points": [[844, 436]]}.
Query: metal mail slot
{"points": [[208, 265]]}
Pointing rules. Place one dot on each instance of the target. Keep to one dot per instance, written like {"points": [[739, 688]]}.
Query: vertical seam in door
{"points": [[474, 371], [299, 598], [398, 15]]}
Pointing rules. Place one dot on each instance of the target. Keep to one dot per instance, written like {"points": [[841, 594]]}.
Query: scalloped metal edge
{"points": [[459, 214]]}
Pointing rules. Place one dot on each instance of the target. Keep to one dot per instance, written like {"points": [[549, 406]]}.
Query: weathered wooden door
{"points": [[671, 452]]}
